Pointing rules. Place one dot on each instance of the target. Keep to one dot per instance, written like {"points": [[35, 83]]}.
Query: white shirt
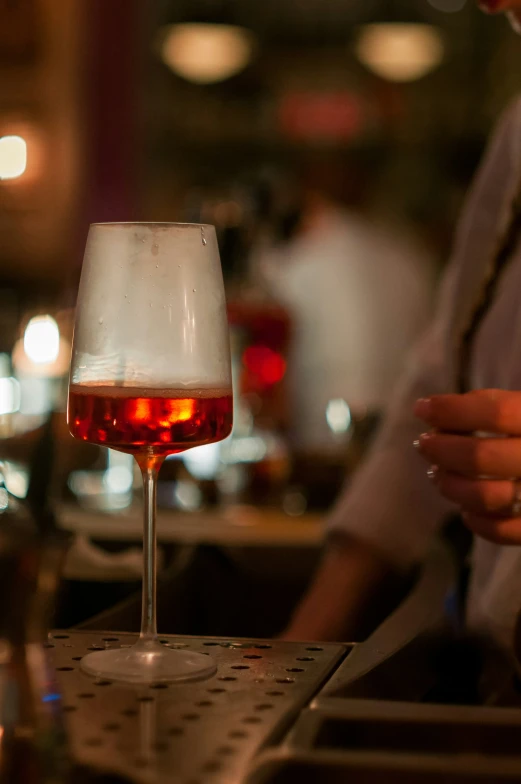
{"points": [[391, 502], [359, 296]]}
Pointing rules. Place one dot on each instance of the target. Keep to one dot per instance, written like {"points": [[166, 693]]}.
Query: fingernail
{"points": [[423, 408], [416, 443], [424, 439]]}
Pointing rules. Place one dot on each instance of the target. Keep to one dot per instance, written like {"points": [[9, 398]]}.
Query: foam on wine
{"points": [[159, 421]]}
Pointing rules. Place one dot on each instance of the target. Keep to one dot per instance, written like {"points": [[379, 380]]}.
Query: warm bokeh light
{"points": [[9, 396], [338, 415], [267, 367], [203, 461], [13, 157], [400, 52], [206, 53], [119, 475], [42, 340]]}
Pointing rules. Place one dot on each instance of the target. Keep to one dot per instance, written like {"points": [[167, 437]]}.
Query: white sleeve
{"points": [[391, 502]]}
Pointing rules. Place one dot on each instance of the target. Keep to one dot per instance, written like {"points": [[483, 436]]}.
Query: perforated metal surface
{"points": [[206, 731]]}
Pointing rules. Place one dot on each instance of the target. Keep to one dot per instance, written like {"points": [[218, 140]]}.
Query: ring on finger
{"points": [[432, 473]]}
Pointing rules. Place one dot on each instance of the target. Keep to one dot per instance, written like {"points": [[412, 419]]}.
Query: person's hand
{"points": [[474, 451]]}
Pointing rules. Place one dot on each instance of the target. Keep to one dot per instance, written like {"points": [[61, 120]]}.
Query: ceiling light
{"points": [[42, 352], [400, 52], [42, 340], [206, 53], [13, 157]]}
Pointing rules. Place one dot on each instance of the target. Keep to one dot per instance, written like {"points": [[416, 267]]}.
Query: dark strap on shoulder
{"points": [[505, 250]]}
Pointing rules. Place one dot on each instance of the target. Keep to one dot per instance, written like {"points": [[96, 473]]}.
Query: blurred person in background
{"points": [[460, 386], [358, 294]]}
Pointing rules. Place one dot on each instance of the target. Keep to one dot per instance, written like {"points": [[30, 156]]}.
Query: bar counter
{"points": [[387, 710]]}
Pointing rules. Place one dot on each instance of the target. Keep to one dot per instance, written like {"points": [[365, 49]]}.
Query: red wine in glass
{"points": [[158, 421]]}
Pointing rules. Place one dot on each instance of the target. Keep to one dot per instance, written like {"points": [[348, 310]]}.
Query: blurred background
{"points": [[331, 142]]}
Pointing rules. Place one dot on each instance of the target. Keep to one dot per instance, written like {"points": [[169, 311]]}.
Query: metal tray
{"points": [[206, 731], [375, 742], [376, 721]]}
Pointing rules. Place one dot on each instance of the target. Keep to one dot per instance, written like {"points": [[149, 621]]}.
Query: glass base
{"points": [[148, 662]]}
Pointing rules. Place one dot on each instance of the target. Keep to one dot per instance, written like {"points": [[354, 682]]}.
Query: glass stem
{"points": [[149, 472]]}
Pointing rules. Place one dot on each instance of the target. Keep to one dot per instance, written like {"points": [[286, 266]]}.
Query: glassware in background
{"points": [[150, 376], [107, 488]]}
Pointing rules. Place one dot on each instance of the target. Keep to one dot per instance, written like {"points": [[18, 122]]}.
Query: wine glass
{"points": [[150, 375]]}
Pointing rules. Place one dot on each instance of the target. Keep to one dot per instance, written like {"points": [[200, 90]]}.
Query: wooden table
{"points": [[239, 526]]}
